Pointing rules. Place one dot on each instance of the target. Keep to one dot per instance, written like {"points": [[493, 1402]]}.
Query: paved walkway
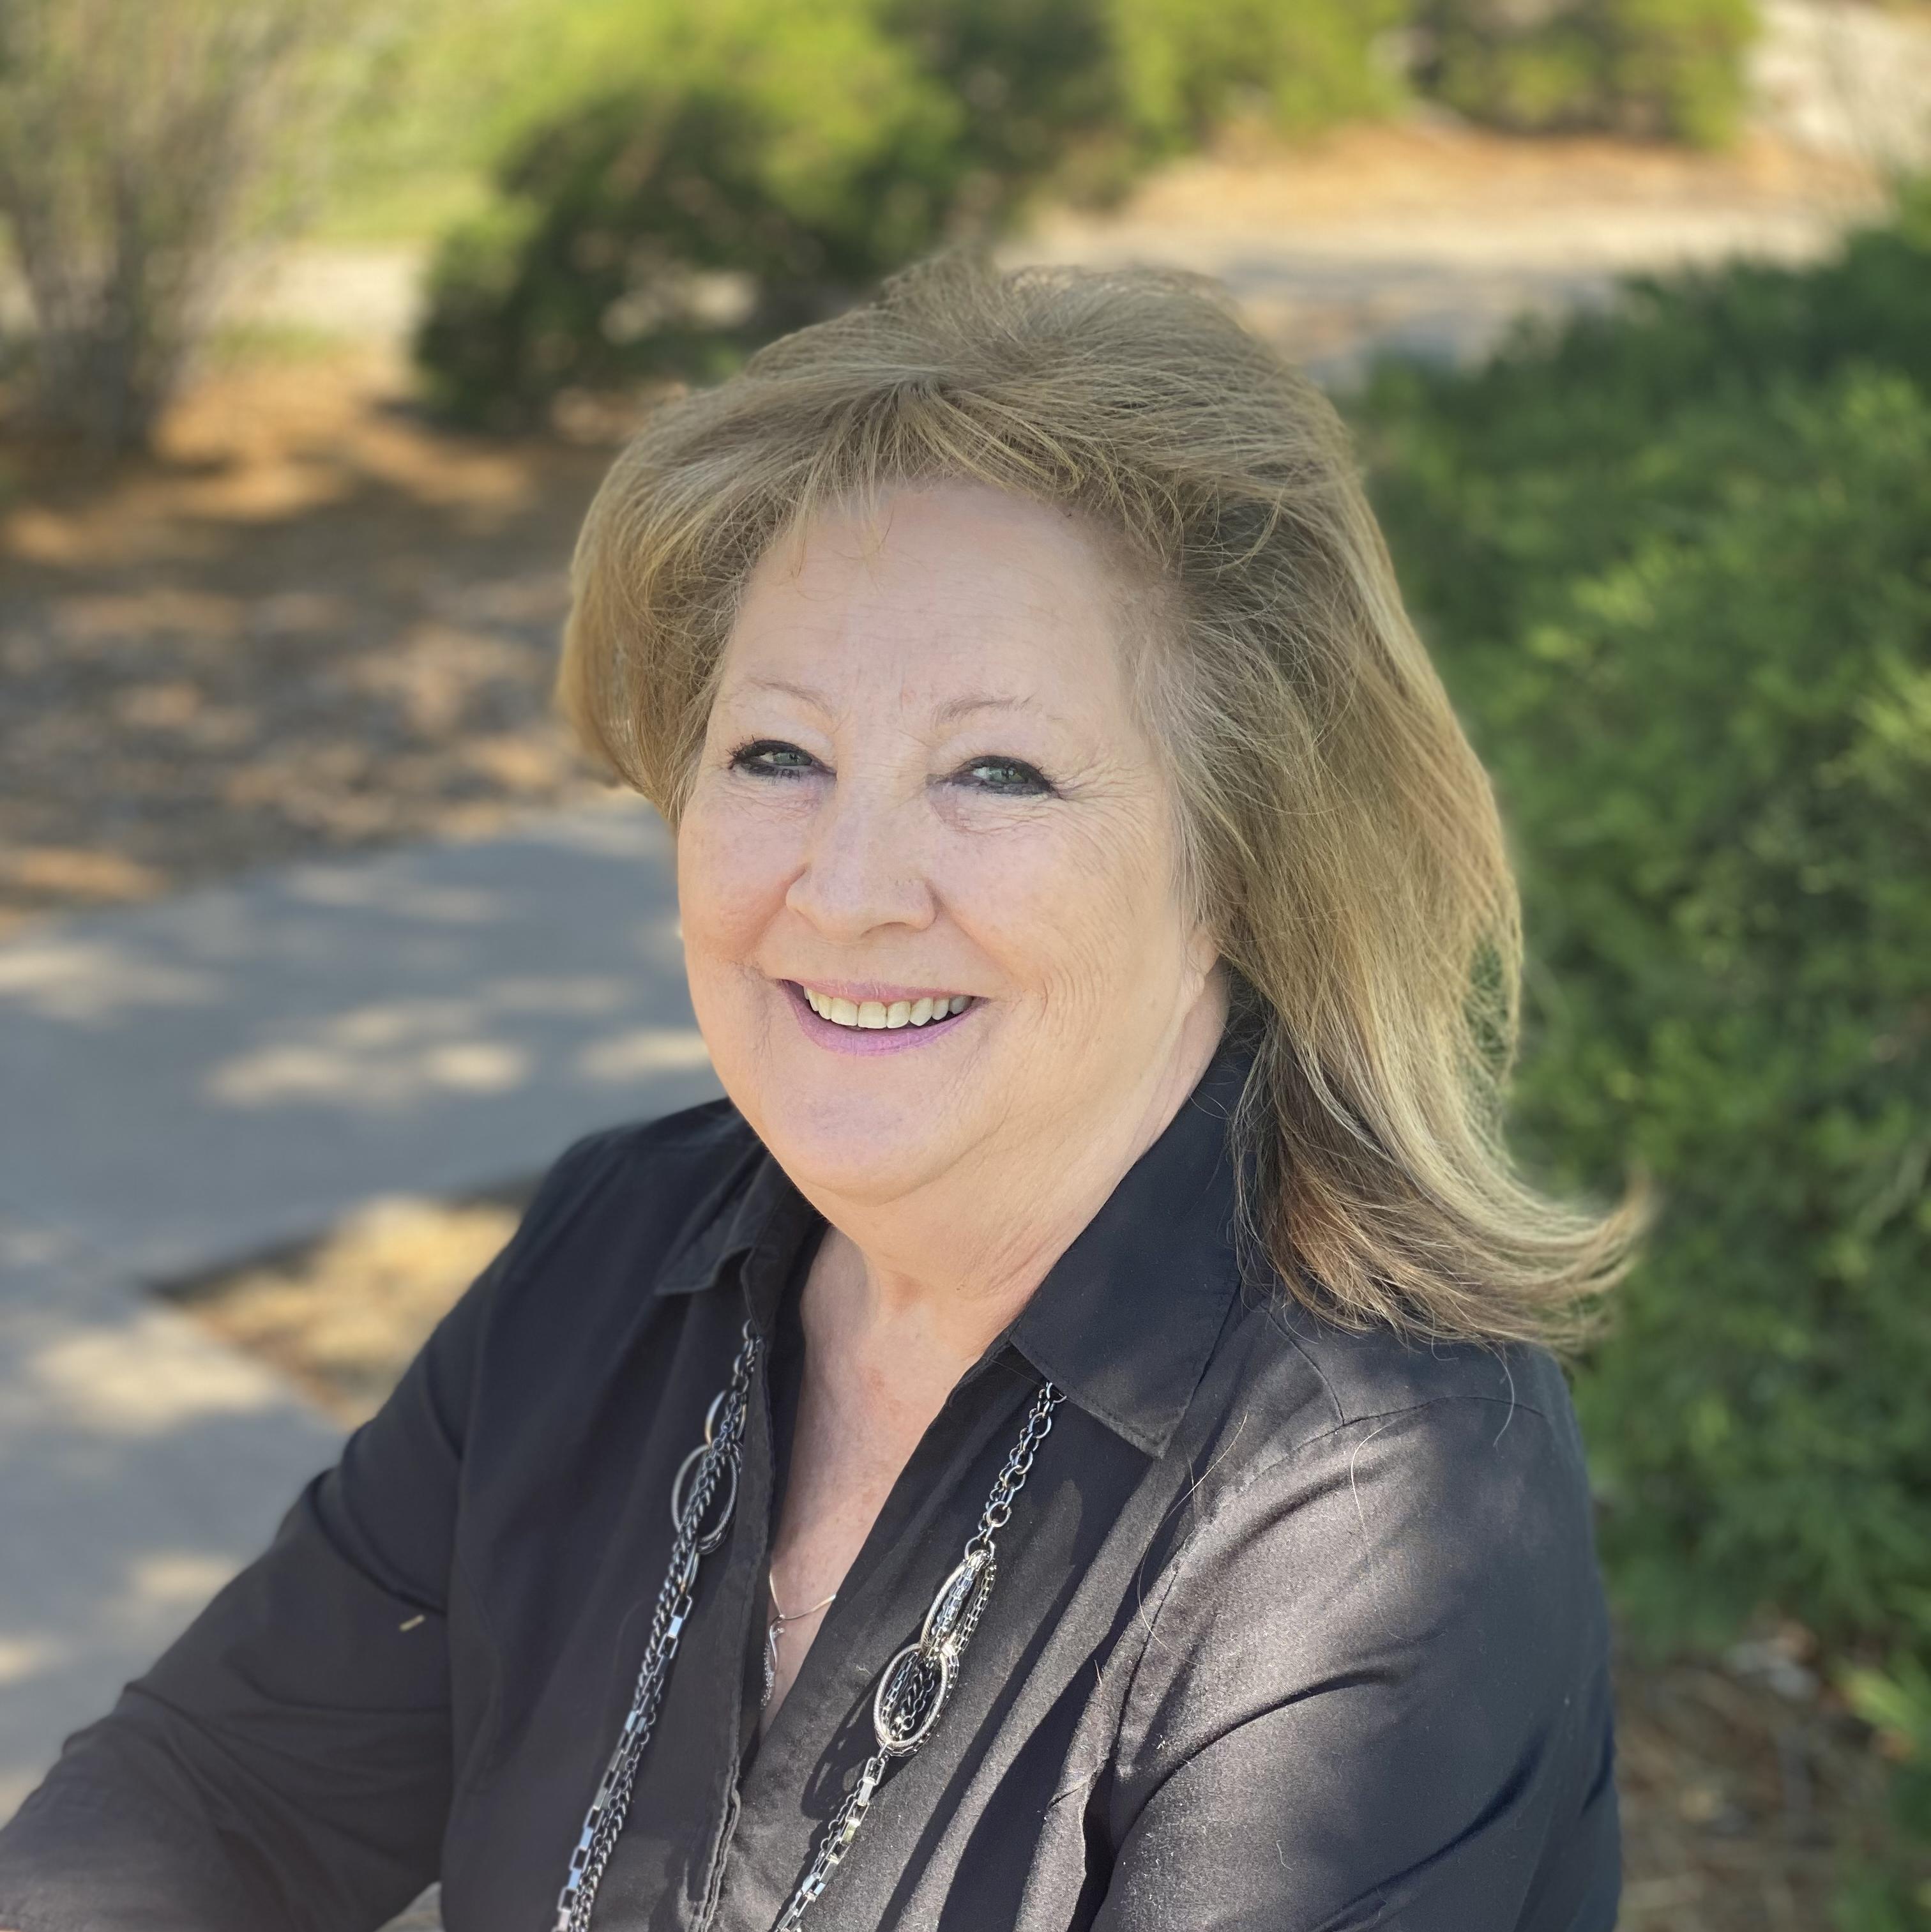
{"points": [[1336, 294], [190, 1081]]}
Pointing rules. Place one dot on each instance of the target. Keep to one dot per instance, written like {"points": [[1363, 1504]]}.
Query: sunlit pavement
{"points": [[193, 1081], [140, 1462]]}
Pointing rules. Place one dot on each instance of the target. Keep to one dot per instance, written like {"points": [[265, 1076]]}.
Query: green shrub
{"points": [[762, 169], [143, 144], [1891, 1891], [1187, 71], [1676, 563], [1539, 464], [1036, 87], [1666, 69], [803, 155], [665, 226], [1718, 745]]}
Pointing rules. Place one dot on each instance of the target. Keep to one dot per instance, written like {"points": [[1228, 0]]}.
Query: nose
{"points": [[863, 869]]}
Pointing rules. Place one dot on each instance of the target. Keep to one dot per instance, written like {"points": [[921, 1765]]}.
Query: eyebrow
{"points": [[954, 709], [800, 691], [950, 712]]}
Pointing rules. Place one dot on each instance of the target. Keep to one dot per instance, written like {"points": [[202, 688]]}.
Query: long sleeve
{"points": [[1363, 1700], [287, 1762]]}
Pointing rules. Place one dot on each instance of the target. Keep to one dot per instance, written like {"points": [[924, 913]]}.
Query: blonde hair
{"points": [[1339, 834]]}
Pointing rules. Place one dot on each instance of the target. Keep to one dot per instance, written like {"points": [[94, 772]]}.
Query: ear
{"points": [[1205, 965]]}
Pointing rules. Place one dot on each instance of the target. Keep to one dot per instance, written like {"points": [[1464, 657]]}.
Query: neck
{"points": [[925, 1282]]}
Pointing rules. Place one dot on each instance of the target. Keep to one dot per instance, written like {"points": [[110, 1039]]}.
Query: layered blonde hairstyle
{"points": [[1338, 833]]}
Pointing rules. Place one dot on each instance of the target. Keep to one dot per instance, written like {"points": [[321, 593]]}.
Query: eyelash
{"points": [[745, 758], [1032, 783]]}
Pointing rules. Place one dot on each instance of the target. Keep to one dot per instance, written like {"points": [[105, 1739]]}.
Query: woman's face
{"points": [[927, 869]]}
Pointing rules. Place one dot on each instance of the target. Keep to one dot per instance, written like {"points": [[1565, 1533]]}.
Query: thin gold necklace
{"points": [[774, 1629]]}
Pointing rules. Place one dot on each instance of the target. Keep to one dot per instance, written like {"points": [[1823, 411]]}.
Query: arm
{"points": [[1375, 1695], [286, 1764]]}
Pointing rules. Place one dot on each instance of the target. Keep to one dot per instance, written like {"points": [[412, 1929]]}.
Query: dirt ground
{"points": [[1451, 173], [312, 622]]}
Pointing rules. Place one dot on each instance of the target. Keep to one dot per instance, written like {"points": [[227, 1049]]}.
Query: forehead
{"points": [[936, 590]]}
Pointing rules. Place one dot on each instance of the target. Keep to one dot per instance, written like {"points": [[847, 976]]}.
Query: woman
{"points": [[1066, 1443]]}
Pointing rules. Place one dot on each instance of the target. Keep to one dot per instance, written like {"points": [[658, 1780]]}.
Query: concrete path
{"points": [[188, 1082], [141, 1463], [232, 1068], [1334, 296]]}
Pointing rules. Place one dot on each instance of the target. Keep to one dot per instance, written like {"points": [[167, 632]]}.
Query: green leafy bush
{"points": [[1663, 68], [762, 169], [801, 154], [707, 182], [1892, 1892], [1684, 600], [664, 225], [143, 142], [1186, 71], [1722, 739], [1035, 88], [1676, 564]]}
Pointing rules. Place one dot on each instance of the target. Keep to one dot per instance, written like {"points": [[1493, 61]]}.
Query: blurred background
{"points": [[319, 325]]}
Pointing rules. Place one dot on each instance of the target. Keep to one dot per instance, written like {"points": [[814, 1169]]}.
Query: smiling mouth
{"points": [[876, 1016]]}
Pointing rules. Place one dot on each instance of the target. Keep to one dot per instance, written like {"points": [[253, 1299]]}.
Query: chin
{"points": [[864, 1127], [838, 1143]]}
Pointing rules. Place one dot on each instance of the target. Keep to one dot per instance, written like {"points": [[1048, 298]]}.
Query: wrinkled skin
{"points": [[924, 773]]}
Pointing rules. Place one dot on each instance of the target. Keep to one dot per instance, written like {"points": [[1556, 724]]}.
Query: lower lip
{"points": [[871, 1039]]}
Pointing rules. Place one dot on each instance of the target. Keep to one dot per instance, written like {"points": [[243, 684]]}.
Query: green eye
{"points": [[772, 756], [1006, 775]]}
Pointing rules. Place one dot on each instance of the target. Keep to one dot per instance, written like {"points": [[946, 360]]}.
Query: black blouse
{"points": [[1293, 1628]]}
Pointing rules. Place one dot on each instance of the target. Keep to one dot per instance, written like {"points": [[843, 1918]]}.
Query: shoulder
{"points": [[1290, 1392], [1355, 1488], [1381, 1621], [1332, 1378], [581, 1279], [1365, 1504], [1332, 1461]]}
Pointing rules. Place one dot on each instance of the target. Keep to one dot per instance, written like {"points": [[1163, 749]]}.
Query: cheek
{"points": [[733, 869], [1081, 913]]}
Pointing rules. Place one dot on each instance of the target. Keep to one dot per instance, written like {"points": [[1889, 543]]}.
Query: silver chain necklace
{"points": [[913, 1689], [774, 1634]]}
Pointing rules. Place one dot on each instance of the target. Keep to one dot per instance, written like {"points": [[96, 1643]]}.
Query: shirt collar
{"points": [[1126, 1319]]}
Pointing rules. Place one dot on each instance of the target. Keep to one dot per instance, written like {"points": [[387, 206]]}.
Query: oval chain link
{"points": [[901, 1722], [716, 1461], [912, 1690]]}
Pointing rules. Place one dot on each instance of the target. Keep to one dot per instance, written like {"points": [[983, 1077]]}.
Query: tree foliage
{"points": [[1186, 71], [132, 135]]}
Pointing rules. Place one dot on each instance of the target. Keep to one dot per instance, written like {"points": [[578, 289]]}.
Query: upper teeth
{"points": [[875, 1013]]}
